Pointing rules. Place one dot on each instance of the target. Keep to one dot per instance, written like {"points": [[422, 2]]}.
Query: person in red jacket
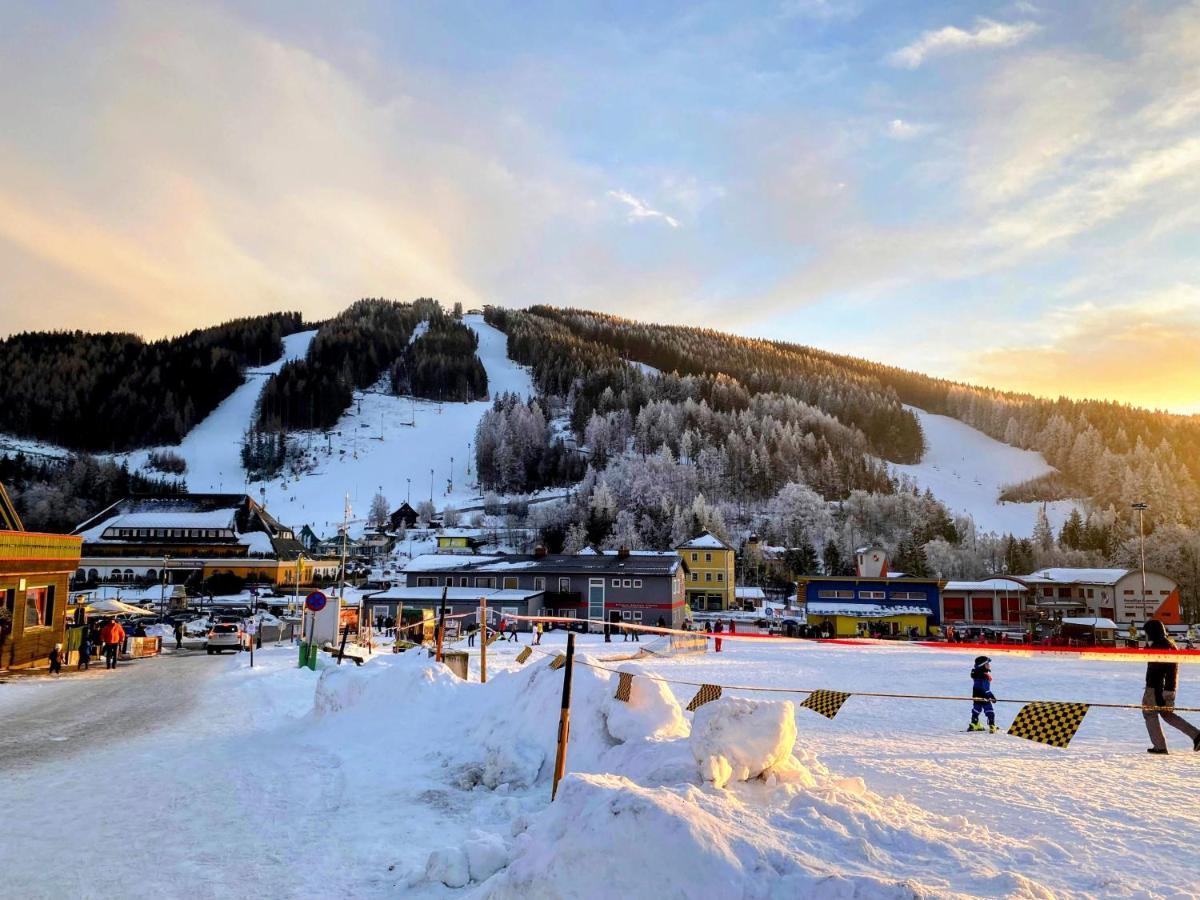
{"points": [[112, 636]]}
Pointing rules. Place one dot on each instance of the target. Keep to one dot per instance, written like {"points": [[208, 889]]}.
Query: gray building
{"points": [[640, 586], [459, 601]]}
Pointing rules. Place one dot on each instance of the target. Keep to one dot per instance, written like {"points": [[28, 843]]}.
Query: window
{"points": [[1047, 592], [625, 582], [708, 576], [954, 609], [1107, 612], [708, 557], [1165, 593], [539, 583], [1091, 592], [907, 595], [510, 582], [566, 613], [637, 582], [564, 585], [625, 615], [695, 556], [1129, 593], [616, 582], [39, 607], [464, 581], [720, 576], [872, 595], [1064, 592], [637, 615], [486, 581], [835, 595], [426, 581], [695, 576]]}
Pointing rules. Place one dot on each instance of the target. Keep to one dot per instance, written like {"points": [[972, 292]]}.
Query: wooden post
{"points": [[342, 648], [483, 642], [564, 718], [441, 628]]}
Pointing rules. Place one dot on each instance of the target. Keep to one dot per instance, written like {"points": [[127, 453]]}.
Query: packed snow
{"points": [[396, 778], [967, 470]]}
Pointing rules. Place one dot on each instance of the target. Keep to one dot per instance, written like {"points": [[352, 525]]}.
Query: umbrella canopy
{"points": [[112, 607]]}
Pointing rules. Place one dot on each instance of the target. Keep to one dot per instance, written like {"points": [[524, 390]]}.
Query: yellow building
{"points": [[459, 540], [848, 621], [710, 580]]}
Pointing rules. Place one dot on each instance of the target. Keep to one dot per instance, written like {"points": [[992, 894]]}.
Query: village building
{"points": [[872, 600], [404, 517], [711, 573], [35, 571], [460, 601], [460, 540], [639, 586], [991, 602], [189, 538], [1114, 594]]}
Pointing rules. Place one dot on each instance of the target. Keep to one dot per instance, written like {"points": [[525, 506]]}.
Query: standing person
{"points": [[56, 656], [500, 628], [512, 631], [471, 635], [718, 629], [637, 635], [537, 632], [1161, 680], [732, 627], [112, 635], [85, 649], [981, 691], [179, 635]]}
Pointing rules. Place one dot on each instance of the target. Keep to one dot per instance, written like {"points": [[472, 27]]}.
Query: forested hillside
{"points": [[441, 364], [115, 391]]}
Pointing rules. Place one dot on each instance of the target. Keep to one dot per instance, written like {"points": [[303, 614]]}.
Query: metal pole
{"points": [[564, 718], [441, 628], [1141, 508], [483, 640]]}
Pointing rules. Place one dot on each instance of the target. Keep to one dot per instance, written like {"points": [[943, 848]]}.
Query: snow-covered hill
{"points": [[967, 470], [408, 449]]}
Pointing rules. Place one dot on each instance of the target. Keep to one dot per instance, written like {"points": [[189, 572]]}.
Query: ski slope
{"points": [[213, 449], [967, 470], [408, 449]]}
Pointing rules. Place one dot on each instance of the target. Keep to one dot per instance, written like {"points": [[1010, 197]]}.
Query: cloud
{"points": [[1141, 351], [901, 130], [639, 209], [950, 39]]}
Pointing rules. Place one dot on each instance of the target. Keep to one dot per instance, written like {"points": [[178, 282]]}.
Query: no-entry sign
{"points": [[315, 601]]}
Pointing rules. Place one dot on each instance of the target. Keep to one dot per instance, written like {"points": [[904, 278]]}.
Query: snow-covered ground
{"points": [[397, 779], [966, 469], [398, 445]]}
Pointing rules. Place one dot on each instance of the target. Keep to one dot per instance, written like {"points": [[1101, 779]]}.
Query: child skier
{"points": [[981, 691]]}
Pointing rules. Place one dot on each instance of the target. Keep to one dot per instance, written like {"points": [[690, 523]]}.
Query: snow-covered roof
{"points": [[435, 562], [1088, 620], [453, 594], [216, 518], [863, 610], [988, 584], [257, 541], [749, 593], [1077, 576], [706, 541], [460, 532]]}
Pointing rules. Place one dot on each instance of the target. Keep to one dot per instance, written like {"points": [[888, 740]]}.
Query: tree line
{"points": [[114, 391], [441, 363]]}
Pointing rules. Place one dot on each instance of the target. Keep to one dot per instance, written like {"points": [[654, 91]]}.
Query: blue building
{"points": [[853, 603]]}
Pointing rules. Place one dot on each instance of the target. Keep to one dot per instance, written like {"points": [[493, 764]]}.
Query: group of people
{"points": [[506, 629], [385, 625], [1158, 695], [718, 629], [105, 635]]}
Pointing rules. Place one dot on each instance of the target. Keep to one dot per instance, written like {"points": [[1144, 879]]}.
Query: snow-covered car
{"points": [[225, 636]]}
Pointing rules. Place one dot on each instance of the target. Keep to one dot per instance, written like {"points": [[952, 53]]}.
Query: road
{"points": [[89, 710]]}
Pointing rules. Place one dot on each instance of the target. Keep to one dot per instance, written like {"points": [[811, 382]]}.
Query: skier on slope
{"points": [[981, 691]]}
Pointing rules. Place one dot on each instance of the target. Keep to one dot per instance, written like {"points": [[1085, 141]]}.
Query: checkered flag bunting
{"points": [[624, 686], [524, 655], [493, 637], [827, 703], [706, 694], [1049, 723], [559, 661]]}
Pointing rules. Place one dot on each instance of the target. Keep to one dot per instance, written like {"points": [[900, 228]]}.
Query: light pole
{"points": [[431, 486], [408, 490], [1141, 509], [162, 594]]}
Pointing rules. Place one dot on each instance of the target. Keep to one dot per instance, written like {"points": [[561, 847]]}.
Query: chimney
{"points": [[539, 551], [623, 553]]}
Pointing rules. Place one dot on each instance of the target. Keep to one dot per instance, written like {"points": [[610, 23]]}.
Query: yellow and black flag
{"points": [[524, 655], [559, 661], [706, 694], [827, 703], [1048, 723]]}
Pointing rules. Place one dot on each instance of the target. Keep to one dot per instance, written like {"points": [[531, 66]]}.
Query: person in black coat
{"points": [[1161, 681]]}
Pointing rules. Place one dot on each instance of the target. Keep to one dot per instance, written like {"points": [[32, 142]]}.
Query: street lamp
{"points": [[1141, 509], [162, 594]]}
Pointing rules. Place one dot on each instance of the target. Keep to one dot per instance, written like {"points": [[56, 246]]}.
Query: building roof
{"points": [[642, 563], [988, 584], [862, 610], [453, 594], [895, 579], [706, 541], [1107, 577], [1088, 620], [742, 592]]}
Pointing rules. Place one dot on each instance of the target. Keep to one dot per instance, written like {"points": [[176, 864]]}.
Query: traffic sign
{"points": [[315, 601]]}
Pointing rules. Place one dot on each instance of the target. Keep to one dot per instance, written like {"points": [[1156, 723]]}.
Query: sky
{"points": [[999, 193]]}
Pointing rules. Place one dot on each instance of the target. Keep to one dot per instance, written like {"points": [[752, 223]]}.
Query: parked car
{"points": [[225, 636]]}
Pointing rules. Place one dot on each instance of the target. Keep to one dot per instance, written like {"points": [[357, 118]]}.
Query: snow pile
{"points": [[736, 739], [652, 711]]}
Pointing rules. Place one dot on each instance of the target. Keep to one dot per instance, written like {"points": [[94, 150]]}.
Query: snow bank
{"points": [[652, 711], [736, 739]]}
